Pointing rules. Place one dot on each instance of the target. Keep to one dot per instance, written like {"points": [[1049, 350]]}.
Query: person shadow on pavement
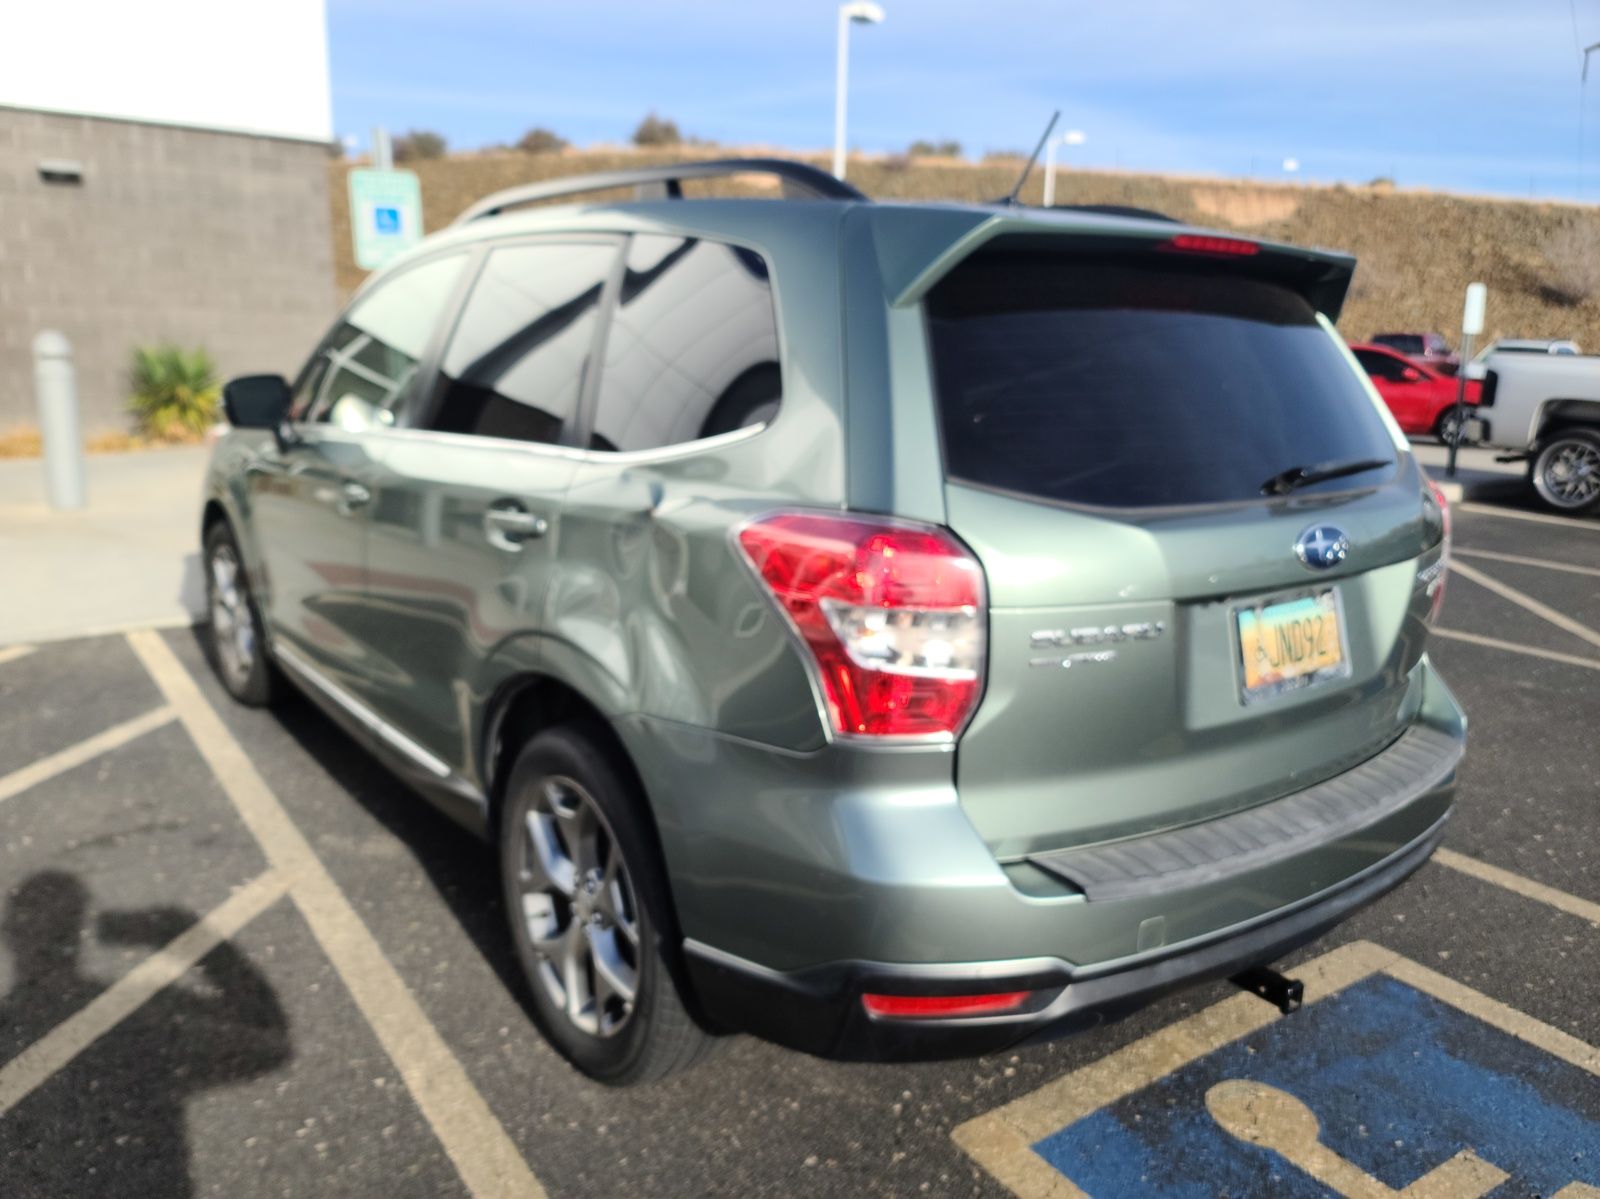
{"points": [[113, 1121]]}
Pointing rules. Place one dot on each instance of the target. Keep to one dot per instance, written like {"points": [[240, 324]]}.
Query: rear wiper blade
{"points": [[1295, 477]]}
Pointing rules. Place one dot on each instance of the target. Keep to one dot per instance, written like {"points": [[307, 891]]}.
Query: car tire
{"points": [[1443, 426], [236, 642], [1566, 471], [589, 911]]}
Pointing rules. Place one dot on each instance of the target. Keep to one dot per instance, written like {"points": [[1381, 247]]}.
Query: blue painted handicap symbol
{"points": [[386, 220], [1374, 1089]]}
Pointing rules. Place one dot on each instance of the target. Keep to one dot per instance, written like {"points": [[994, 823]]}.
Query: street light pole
{"points": [[1583, 87], [1073, 137], [859, 13]]}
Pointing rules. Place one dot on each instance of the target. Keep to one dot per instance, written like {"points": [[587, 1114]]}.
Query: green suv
{"points": [[894, 630]]}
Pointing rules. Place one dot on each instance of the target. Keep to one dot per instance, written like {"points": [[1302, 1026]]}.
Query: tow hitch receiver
{"points": [[1285, 994]]}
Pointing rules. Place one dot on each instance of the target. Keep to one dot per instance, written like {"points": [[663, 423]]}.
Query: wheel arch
{"points": [[525, 705], [1558, 416], [211, 514]]}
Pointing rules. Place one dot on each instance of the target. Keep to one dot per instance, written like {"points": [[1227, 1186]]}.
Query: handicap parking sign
{"points": [[385, 215], [1392, 1080]]}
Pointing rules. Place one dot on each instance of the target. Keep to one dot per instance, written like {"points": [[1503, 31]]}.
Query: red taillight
{"points": [[1442, 567], [1205, 243], [893, 615], [924, 1007]]}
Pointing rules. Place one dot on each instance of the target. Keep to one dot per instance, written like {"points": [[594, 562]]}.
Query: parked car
{"points": [[796, 595], [1545, 408], [1422, 401], [1425, 349]]}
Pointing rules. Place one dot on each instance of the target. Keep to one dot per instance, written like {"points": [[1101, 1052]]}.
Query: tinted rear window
{"points": [[1133, 384]]}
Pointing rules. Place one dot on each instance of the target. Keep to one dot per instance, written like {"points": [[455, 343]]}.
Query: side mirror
{"points": [[256, 401], [1411, 375], [260, 402]]}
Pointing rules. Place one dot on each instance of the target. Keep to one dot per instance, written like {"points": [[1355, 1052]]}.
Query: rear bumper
{"points": [[818, 1010], [802, 881]]}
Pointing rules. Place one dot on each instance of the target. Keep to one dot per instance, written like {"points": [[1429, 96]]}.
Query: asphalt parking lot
{"points": [[243, 961]]}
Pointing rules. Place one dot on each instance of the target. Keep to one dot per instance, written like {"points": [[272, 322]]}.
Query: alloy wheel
{"points": [[1569, 474], [578, 908], [233, 625]]}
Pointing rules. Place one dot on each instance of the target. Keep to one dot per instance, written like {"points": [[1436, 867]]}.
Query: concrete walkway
{"points": [[131, 557], [1478, 476]]}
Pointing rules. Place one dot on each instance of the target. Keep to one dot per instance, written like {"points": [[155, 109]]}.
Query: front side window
{"points": [[693, 346], [517, 360], [363, 372]]}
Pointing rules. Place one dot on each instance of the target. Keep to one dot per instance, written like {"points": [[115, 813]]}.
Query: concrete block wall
{"points": [[203, 238]]}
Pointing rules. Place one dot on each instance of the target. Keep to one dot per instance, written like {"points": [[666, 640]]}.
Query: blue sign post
{"points": [[385, 215]]}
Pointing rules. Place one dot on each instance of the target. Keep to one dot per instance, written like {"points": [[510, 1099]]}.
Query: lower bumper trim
{"points": [[818, 1010]]}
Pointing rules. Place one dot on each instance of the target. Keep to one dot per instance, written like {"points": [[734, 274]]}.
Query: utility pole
{"points": [[1583, 89], [382, 151], [859, 13], [1471, 326], [1072, 138]]}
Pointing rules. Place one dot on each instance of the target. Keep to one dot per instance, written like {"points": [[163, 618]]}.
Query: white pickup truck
{"points": [[1544, 408]]}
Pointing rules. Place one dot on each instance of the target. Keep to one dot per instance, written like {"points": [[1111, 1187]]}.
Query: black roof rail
{"points": [[801, 181]]}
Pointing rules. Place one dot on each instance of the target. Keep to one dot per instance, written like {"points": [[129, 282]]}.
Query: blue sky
{"points": [[1463, 95]]}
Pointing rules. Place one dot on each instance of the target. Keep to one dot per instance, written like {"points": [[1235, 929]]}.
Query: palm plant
{"points": [[175, 392]]}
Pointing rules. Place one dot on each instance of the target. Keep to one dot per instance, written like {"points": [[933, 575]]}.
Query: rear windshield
{"points": [[1134, 384]]}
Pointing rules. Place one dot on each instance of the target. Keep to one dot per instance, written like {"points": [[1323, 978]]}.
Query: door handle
{"points": [[352, 495], [506, 527]]}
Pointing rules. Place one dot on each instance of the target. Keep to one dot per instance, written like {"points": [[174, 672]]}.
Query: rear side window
{"points": [[692, 350], [1133, 384], [516, 362]]}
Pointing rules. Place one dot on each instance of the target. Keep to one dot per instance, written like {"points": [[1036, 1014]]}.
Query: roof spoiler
{"points": [[913, 256]]}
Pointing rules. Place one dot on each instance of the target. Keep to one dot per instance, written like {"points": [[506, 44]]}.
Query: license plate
{"points": [[1290, 643]]}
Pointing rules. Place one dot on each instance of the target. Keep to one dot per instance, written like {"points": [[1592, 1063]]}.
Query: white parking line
{"points": [[1516, 647], [1582, 908], [35, 1064], [1519, 560], [10, 653], [1523, 600], [1565, 522], [483, 1154], [35, 773]]}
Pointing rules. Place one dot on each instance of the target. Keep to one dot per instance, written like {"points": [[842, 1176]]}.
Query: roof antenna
{"points": [[1037, 150]]}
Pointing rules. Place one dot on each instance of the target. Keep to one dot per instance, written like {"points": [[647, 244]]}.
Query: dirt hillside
{"points": [[1418, 250]]}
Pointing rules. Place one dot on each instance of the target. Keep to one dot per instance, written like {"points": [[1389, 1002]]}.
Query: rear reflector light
{"points": [[924, 1007], [1204, 243], [1442, 567], [892, 614]]}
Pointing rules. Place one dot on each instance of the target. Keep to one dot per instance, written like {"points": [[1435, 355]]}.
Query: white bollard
{"points": [[57, 394]]}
